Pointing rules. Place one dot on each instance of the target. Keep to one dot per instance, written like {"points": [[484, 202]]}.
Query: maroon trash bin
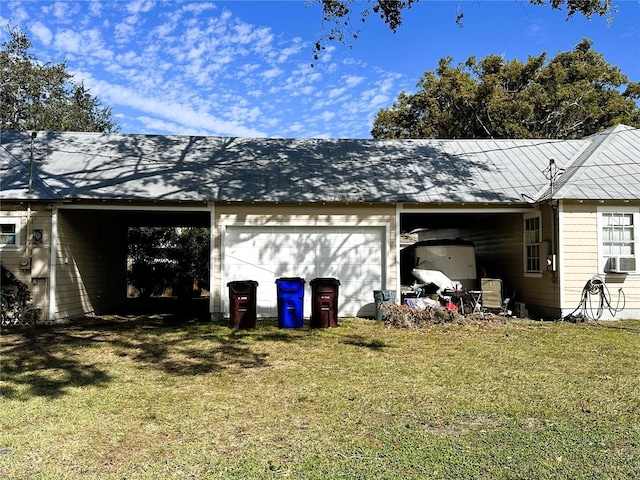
{"points": [[324, 302], [242, 304]]}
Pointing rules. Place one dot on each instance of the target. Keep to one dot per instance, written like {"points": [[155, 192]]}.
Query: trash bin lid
{"points": [[242, 286], [242, 282], [290, 280], [290, 285], [331, 281]]}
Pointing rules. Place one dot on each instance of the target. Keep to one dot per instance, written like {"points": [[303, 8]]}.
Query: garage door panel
{"points": [[370, 255], [352, 255], [238, 237], [305, 256]]}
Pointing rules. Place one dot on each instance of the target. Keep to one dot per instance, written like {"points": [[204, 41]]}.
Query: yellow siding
{"points": [[91, 263], [32, 217], [580, 250], [580, 259]]}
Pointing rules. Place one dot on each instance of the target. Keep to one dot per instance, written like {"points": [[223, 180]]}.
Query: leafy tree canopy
{"points": [[39, 96], [168, 258], [337, 14], [575, 94]]}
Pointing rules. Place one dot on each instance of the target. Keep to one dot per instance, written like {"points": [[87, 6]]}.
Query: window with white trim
{"points": [[618, 240], [532, 236], [9, 232]]}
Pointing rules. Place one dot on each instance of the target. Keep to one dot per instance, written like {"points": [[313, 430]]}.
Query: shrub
{"points": [[15, 296]]}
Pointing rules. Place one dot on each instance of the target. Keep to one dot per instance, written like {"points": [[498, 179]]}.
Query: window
{"points": [[9, 232], [618, 241], [532, 237]]}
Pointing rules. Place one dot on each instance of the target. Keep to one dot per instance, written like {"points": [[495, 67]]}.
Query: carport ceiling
{"points": [[438, 221], [143, 218]]}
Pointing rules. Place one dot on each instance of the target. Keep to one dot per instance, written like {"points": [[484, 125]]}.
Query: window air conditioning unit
{"points": [[621, 264]]}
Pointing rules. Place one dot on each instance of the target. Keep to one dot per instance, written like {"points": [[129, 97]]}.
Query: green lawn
{"points": [[155, 399]]}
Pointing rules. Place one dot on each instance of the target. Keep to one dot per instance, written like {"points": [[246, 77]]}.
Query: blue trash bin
{"points": [[290, 302]]}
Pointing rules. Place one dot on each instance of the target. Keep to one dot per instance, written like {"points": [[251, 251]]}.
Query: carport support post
{"points": [[53, 263], [398, 231], [212, 259]]}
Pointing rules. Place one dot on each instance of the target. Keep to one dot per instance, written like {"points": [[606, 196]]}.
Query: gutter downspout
{"points": [[559, 258]]}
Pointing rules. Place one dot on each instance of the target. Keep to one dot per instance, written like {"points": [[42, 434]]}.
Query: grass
{"points": [[156, 399]]}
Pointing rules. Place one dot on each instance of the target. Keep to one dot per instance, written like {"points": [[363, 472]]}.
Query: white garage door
{"points": [[356, 256]]}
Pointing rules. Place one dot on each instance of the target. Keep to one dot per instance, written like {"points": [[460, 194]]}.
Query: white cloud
{"points": [[296, 127], [336, 92], [353, 80], [87, 44], [42, 32], [139, 6], [68, 41], [123, 32], [95, 7], [18, 14], [155, 124], [168, 110], [327, 116], [198, 7], [63, 12], [272, 73], [285, 53], [192, 68]]}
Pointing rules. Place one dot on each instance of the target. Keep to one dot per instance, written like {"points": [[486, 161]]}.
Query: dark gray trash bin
{"points": [[383, 298]]}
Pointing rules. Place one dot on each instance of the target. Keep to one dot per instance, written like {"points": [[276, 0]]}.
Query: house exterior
{"points": [[546, 216]]}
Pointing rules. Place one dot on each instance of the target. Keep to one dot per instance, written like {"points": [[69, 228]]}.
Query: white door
{"points": [[356, 256]]}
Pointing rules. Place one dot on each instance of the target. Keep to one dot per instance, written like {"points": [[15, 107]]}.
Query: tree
{"points": [[43, 96], [575, 94], [338, 14], [168, 258]]}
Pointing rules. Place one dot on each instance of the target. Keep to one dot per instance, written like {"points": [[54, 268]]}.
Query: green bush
{"points": [[15, 296]]}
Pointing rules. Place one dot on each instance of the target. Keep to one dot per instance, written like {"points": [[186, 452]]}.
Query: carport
{"points": [[89, 273], [496, 233]]}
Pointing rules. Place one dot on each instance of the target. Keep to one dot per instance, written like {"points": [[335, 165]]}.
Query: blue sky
{"points": [[242, 68]]}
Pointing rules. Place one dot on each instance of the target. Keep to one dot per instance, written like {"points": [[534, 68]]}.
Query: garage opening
{"points": [[167, 264], [496, 237], [94, 261]]}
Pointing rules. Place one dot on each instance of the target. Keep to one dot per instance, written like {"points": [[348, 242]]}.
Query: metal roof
{"points": [[100, 166], [607, 169]]}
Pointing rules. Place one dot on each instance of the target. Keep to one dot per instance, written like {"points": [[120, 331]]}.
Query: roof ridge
{"points": [[595, 144]]}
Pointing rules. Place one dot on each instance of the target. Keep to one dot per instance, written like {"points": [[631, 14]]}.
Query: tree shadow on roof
{"points": [[156, 167]]}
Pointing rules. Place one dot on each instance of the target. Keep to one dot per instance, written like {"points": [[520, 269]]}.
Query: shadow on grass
{"points": [[48, 361], [358, 341], [617, 326]]}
